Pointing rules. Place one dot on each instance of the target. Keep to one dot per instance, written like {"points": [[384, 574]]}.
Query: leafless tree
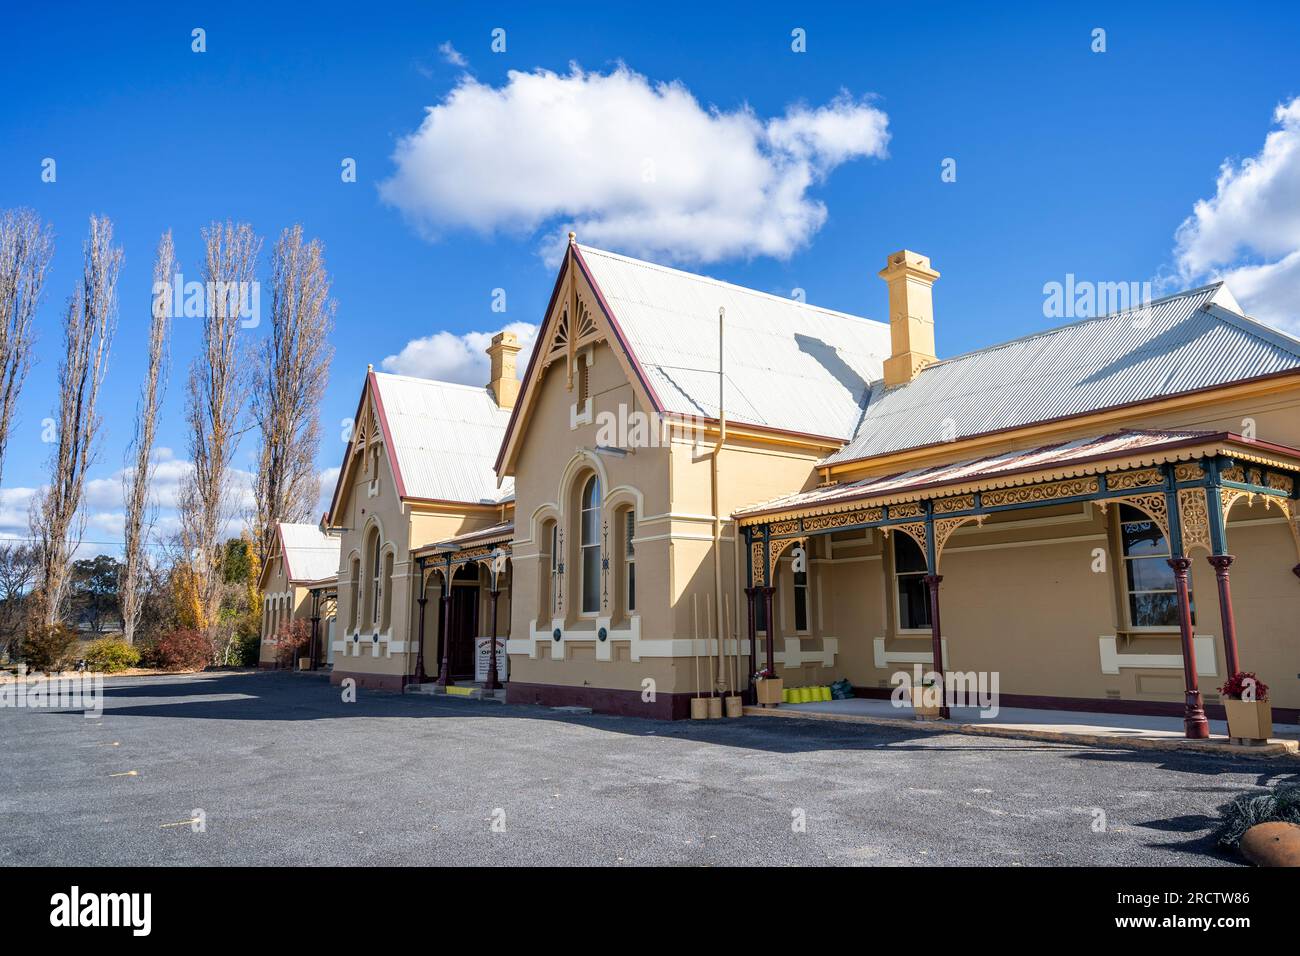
{"points": [[217, 393], [291, 377], [57, 519], [139, 512], [19, 563], [25, 251]]}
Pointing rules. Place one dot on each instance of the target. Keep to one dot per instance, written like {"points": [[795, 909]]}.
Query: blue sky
{"points": [[1067, 160]]}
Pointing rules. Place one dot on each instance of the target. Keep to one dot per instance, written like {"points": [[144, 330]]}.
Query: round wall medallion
{"points": [[556, 633], [602, 634]]}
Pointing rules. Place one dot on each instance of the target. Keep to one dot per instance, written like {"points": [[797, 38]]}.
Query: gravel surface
{"points": [[284, 772]]}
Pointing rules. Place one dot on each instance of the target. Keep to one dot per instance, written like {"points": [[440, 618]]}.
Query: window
{"points": [[584, 384], [374, 578], [1148, 578], [355, 593], [801, 601], [629, 560], [551, 566], [909, 575], [387, 591], [590, 545]]}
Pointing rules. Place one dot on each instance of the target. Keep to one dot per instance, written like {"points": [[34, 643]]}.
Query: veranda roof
{"points": [[1067, 459]]}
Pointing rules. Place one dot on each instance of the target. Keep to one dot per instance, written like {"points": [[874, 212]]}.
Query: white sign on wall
{"points": [[483, 655]]}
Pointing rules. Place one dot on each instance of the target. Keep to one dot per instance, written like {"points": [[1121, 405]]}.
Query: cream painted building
{"points": [[694, 480], [298, 583]]}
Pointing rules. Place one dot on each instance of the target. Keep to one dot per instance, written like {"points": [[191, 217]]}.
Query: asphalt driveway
{"points": [[282, 771]]}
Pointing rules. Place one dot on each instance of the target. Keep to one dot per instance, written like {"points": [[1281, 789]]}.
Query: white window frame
{"points": [[584, 546]]}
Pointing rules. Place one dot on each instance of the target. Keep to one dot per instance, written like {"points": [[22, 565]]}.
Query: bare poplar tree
{"points": [[57, 518], [139, 512], [26, 248], [291, 377], [217, 393]]}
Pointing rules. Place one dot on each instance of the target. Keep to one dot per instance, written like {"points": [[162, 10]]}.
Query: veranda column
{"points": [[422, 600], [445, 669], [492, 683], [1195, 726], [750, 594], [936, 639], [771, 628], [1221, 563]]}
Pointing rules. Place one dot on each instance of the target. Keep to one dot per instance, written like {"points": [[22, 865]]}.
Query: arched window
{"points": [[354, 595], [374, 577], [550, 568], [589, 543], [627, 531], [387, 591]]}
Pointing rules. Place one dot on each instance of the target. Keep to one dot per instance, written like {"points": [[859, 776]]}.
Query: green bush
{"points": [[47, 647], [110, 655], [248, 648]]}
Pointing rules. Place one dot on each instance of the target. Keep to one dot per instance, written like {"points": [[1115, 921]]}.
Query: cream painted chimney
{"points": [[911, 315], [504, 383]]}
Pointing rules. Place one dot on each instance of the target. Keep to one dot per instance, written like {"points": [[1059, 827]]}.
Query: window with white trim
{"points": [[1148, 578], [913, 593], [629, 561], [374, 578], [800, 601], [589, 545]]}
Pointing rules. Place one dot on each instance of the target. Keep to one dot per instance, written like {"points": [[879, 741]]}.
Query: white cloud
{"points": [[449, 357], [451, 54], [1249, 232], [640, 167]]}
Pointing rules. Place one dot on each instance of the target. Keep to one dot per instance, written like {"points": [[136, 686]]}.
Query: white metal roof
{"points": [[789, 365], [309, 555], [1189, 341], [445, 438]]}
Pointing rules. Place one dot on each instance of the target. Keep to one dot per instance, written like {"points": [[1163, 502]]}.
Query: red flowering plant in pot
{"points": [[1250, 715], [767, 687]]}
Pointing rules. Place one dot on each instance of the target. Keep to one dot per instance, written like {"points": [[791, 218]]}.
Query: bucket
{"points": [[699, 708], [715, 708], [734, 706]]}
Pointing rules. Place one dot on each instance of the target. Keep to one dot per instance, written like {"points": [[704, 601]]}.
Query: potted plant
{"points": [[927, 699], [768, 687], [1250, 715]]}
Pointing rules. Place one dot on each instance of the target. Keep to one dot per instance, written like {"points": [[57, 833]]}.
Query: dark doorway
{"points": [[464, 623]]}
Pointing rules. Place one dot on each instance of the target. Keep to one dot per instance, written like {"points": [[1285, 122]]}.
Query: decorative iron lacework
{"points": [[778, 548], [944, 527], [1153, 503], [756, 563], [1188, 472], [1128, 480], [1047, 492], [956, 503], [1194, 517], [916, 531], [830, 522]]}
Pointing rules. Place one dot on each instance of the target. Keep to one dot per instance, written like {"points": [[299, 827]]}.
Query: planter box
{"points": [[304, 663], [769, 691], [920, 708], [1249, 719]]}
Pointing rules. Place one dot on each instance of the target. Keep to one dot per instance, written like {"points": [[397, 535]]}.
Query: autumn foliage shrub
{"points": [[48, 647], [110, 655], [184, 649], [290, 641]]}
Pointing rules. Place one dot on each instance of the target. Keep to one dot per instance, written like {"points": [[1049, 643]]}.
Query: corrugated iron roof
{"points": [[1189, 341], [1057, 456], [789, 365], [445, 438], [309, 555]]}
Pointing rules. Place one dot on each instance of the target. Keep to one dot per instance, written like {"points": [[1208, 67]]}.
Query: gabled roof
{"points": [[443, 439], [1183, 343], [309, 554], [789, 366]]}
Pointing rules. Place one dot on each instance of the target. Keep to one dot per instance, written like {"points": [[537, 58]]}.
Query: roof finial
{"points": [[573, 237], [370, 367]]}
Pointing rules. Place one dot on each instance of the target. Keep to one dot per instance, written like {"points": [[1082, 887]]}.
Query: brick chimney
{"points": [[911, 315], [504, 382]]}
